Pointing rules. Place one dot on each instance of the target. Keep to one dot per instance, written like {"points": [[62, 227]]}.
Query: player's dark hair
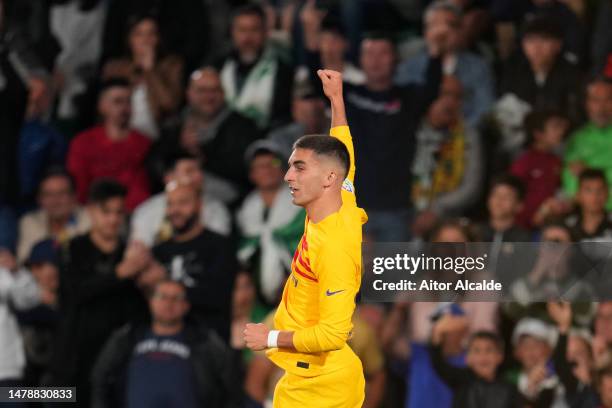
{"points": [[486, 335], [326, 145], [592, 174], [250, 10], [511, 181], [105, 189]]}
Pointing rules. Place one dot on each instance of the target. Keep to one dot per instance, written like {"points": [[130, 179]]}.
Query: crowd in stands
{"points": [[144, 219]]}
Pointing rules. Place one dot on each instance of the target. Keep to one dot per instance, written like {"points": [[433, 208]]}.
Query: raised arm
{"points": [[332, 87]]}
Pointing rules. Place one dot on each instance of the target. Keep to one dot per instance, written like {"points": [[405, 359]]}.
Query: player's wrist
{"points": [[273, 338]]}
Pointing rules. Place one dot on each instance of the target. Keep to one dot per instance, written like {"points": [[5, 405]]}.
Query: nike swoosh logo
{"points": [[328, 293]]}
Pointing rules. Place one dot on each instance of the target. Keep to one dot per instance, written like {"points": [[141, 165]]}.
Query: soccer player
{"points": [[313, 320]]}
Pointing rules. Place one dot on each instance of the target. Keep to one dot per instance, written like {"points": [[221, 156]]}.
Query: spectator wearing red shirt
{"points": [[112, 149], [539, 167]]}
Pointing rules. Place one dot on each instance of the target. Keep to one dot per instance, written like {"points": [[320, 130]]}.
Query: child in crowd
{"points": [[533, 342], [590, 221], [478, 384], [573, 358], [504, 202], [539, 167]]}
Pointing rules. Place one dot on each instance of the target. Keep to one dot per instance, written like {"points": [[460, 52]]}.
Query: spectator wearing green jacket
{"points": [[590, 146]]}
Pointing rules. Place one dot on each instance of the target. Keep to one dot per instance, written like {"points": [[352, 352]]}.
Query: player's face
{"points": [[305, 177]]}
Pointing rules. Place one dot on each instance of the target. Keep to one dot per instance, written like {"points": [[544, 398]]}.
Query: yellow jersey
{"points": [[319, 296]]}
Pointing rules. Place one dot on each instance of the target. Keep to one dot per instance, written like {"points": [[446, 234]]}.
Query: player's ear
{"points": [[331, 178]]}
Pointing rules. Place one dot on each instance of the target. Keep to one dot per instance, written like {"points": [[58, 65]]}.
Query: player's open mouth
{"points": [[292, 190]]}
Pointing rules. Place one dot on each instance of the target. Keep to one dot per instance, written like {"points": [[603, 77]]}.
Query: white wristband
{"points": [[273, 338]]}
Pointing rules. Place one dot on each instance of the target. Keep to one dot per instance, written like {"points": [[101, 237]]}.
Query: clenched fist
{"points": [[332, 83], [256, 336]]}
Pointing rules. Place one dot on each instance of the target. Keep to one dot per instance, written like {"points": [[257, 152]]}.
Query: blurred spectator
{"points": [[590, 221], [97, 292], [256, 81], [551, 275], [40, 146], [209, 128], [604, 386], [59, 216], [408, 325], [22, 82], [504, 202], [572, 358], [448, 162], [571, 15], [149, 224], [184, 26], [533, 342], [8, 229], [111, 149], [156, 78], [601, 42], [326, 44], [39, 323], [478, 384], [392, 113], [602, 340], [539, 167], [308, 113], [78, 26], [170, 360], [18, 291], [540, 75], [589, 145], [510, 14], [270, 226], [245, 309], [202, 260], [442, 21]]}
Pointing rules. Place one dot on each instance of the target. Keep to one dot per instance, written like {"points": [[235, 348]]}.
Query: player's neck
{"points": [[323, 207]]}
